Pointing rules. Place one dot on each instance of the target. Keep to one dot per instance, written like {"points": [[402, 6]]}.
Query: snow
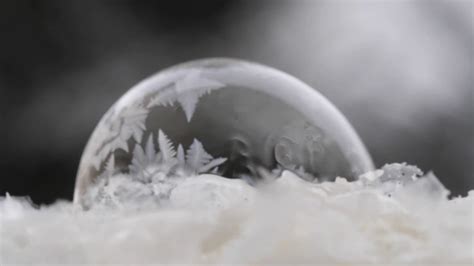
{"points": [[392, 215]]}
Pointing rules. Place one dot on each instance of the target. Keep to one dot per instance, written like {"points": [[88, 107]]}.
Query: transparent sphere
{"points": [[230, 117]]}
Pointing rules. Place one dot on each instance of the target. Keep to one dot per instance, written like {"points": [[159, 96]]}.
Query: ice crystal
{"points": [[154, 171], [128, 123], [145, 162], [166, 147], [187, 92]]}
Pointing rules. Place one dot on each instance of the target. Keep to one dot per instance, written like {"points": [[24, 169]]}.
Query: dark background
{"points": [[401, 71]]}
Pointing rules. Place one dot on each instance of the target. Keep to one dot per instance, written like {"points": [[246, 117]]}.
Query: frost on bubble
{"points": [[187, 92], [121, 126], [128, 122], [152, 174]]}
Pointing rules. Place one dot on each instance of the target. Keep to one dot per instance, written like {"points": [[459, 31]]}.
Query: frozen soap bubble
{"points": [[224, 116]]}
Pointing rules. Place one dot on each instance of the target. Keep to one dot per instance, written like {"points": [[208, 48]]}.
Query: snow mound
{"points": [[392, 215]]}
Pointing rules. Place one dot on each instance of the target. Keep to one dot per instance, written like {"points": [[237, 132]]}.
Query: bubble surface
{"points": [[223, 116]]}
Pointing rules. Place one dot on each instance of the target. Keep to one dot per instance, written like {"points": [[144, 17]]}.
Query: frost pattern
{"points": [[152, 173], [187, 92], [196, 156], [117, 130], [119, 126], [166, 147], [145, 162]]}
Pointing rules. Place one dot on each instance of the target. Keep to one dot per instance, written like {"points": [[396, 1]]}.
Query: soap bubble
{"points": [[230, 117]]}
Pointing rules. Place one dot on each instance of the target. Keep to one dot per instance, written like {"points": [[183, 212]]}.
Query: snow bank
{"points": [[388, 216]]}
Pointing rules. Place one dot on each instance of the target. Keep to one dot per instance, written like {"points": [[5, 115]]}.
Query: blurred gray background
{"points": [[401, 71]]}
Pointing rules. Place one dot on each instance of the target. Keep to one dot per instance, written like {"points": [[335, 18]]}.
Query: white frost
{"points": [[187, 91], [391, 216]]}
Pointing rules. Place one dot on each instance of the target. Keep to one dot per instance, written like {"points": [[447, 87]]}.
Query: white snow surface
{"points": [[389, 216]]}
